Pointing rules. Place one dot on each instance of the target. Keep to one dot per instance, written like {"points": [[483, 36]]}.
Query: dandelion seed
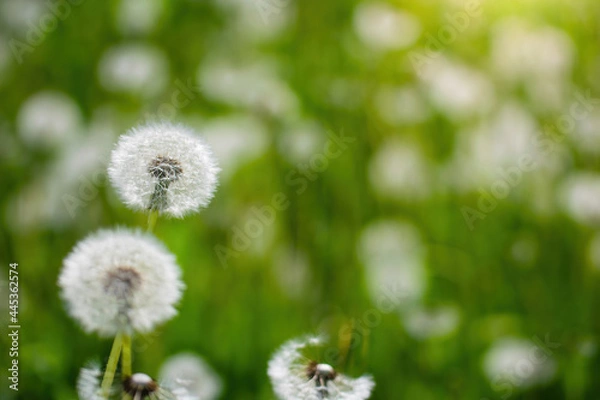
{"points": [[120, 281], [295, 377], [190, 372], [163, 167]]}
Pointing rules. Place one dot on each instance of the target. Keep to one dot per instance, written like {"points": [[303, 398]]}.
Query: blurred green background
{"points": [[450, 249]]}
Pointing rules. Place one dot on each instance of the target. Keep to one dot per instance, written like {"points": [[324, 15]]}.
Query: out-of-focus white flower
{"points": [[120, 281], [484, 154], [586, 135], [579, 194], [134, 68], [520, 51], [519, 362], [401, 105], [69, 186], [22, 15], [588, 347], [48, 119], [255, 85], [259, 20], [539, 57], [383, 27], [163, 167], [423, 324], [88, 383], [457, 90], [291, 269], [139, 16], [394, 258], [524, 249], [192, 373], [235, 141], [301, 141], [294, 377], [400, 171], [345, 93]]}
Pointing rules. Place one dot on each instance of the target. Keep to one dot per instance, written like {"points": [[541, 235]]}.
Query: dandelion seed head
{"points": [[120, 280], [191, 373], [255, 85], [424, 324], [48, 119], [510, 360], [163, 167], [88, 383], [134, 68], [139, 385], [394, 256], [400, 171], [295, 377], [235, 141], [383, 27], [579, 196], [135, 17]]}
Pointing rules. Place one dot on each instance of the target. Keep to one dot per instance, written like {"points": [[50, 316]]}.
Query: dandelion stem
{"points": [[152, 218], [126, 360], [111, 366]]}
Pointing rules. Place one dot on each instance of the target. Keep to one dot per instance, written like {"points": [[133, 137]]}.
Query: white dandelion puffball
{"points": [[48, 119], [163, 167], [423, 324], [120, 280], [138, 17], [189, 371], [88, 383], [579, 196], [400, 171], [520, 362], [394, 255], [295, 377], [134, 68], [383, 27]]}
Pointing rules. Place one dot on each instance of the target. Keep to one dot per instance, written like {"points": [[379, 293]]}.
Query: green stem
{"points": [[126, 360], [152, 217], [111, 366]]}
